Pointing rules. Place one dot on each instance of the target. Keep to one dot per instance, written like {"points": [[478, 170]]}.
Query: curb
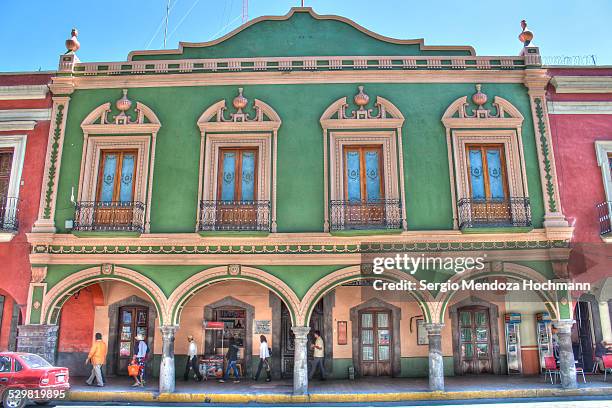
{"points": [[104, 396]]}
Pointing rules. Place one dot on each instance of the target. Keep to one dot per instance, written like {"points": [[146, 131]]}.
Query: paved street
{"points": [[582, 403]]}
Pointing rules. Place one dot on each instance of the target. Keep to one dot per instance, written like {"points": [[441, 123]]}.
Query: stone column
{"points": [[166, 369], [300, 360], [567, 364], [436, 361], [38, 339], [606, 326]]}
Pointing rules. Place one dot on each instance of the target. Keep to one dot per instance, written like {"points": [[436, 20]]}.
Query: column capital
{"points": [[168, 330], [564, 325], [300, 332], [434, 329], [536, 81]]}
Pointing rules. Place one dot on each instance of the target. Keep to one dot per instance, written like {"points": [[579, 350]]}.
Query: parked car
{"points": [[28, 377]]}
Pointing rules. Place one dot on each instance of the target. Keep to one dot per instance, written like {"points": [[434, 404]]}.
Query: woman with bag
{"points": [[140, 359]]}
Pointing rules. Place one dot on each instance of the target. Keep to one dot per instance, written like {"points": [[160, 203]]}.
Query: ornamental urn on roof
{"points": [[123, 104], [72, 44], [526, 36], [361, 99]]}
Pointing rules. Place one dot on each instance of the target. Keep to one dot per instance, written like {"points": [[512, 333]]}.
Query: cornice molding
{"points": [[296, 77], [23, 92], [17, 125], [580, 108], [11, 115], [582, 84]]}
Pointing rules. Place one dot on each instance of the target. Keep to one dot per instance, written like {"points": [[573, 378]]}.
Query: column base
{"points": [[555, 220], [38, 339], [42, 225]]}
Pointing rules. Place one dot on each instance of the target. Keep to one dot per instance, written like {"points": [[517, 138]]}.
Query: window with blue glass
{"points": [[237, 175], [487, 172], [117, 175], [362, 174]]}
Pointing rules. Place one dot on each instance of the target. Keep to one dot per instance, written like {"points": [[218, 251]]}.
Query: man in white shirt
{"points": [[192, 360], [318, 360]]}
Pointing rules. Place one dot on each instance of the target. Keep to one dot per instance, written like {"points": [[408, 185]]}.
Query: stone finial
{"points": [[479, 98], [240, 102], [123, 104], [526, 36], [72, 44], [361, 99]]}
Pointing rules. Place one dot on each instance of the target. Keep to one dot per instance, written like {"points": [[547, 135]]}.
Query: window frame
{"points": [[603, 150], [116, 186], [483, 147], [238, 164], [18, 144]]}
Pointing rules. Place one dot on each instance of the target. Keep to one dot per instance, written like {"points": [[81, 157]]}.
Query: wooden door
{"points": [[363, 186], [475, 340], [115, 197], [488, 184], [237, 188], [375, 342], [133, 320], [583, 348]]}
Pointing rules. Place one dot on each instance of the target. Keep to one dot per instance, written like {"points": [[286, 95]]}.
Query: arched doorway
{"points": [[376, 342], [476, 348], [128, 318]]}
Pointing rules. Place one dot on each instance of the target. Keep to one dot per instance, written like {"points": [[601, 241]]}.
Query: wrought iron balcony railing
{"points": [[109, 216], [234, 215], [605, 225], [9, 211], [371, 214], [483, 213]]}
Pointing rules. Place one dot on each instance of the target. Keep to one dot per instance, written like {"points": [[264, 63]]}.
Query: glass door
{"points": [[133, 320], [375, 335]]}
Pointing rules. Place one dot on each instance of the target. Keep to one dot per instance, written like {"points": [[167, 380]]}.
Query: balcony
{"points": [[603, 210], [365, 215], [234, 215], [9, 210], [123, 216], [513, 212]]}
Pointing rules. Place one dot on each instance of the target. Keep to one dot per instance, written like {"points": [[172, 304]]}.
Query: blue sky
{"points": [[33, 32]]}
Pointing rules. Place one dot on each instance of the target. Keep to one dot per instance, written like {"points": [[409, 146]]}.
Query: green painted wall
{"points": [[300, 149], [301, 35]]}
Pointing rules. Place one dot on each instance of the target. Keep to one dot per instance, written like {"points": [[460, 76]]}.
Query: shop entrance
{"points": [[375, 340], [582, 335], [133, 320], [475, 340], [288, 339]]}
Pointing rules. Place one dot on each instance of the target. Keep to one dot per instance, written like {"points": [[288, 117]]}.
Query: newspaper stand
{"points": [[211, 366]]}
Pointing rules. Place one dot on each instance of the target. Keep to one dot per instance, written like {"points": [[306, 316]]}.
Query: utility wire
{"points": [[159, 27], [225, 26], [195, 3]]}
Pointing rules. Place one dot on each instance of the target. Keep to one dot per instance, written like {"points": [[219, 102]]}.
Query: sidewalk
{"points": [[361, 390]]}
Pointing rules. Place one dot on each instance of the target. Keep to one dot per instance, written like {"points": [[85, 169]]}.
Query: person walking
{"points": [[232, 357], [141, 358], [97, 358], [264, 359], [192, 360], [319, 356]]}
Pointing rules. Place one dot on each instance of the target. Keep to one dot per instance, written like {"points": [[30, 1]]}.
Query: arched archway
{"points": [[191, 286], [10, 318], [60, 293]]}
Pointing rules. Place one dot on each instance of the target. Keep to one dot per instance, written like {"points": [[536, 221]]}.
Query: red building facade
{"points": [[25, 104], [580, 112]]}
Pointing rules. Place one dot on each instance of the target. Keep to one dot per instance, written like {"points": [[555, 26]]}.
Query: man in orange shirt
{"points": [[97, 357]]}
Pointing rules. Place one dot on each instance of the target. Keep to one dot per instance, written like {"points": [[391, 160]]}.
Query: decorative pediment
{"points": [[383, 114], [500, 114], [139, 120], [216, 118]]}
